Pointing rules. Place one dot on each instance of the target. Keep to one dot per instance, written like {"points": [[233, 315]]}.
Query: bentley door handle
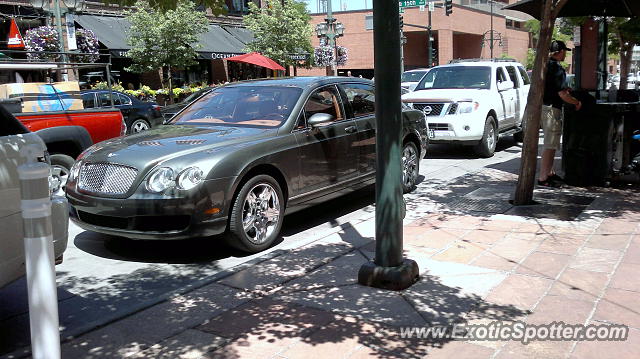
{"points": [[350, 129]]}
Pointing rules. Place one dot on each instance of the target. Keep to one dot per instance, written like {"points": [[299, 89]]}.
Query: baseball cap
{"points": [[557, 45]]}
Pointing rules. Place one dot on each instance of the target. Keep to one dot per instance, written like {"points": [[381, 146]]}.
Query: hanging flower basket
{"points": [[42, 40], [343, 55], [324, 55], [87, 44]]}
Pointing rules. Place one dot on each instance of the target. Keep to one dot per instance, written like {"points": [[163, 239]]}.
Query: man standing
{"points": [[556, 93]]}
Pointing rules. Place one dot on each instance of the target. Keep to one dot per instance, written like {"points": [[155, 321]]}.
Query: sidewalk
{"points": [[481, 260]]}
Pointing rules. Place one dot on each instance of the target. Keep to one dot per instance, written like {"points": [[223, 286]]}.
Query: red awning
{"points": [[257, 59]]}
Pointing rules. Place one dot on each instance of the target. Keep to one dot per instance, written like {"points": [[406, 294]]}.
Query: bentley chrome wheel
{"points": [[260, 213], [409, 166]]}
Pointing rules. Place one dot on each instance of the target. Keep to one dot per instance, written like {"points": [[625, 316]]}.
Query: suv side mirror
{"points": [[505, 85], [319, 119]]}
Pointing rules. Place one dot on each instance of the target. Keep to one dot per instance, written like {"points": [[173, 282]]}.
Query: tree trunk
{"points": [[170, 85], [533, 111], [626, 51]]}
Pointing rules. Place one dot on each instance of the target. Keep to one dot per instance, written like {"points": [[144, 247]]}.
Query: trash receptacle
{"points": [[592, 140]]}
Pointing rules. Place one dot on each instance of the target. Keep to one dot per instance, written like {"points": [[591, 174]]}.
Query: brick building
{"points": [[463, 34]]}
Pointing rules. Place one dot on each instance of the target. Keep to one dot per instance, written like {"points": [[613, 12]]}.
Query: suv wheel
{"points": [[487, 146]]}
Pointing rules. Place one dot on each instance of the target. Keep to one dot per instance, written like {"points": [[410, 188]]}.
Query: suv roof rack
{"points": [[455, 61]]}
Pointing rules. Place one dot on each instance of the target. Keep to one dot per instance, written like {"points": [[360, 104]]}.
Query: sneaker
{"points": [[549, 182]]}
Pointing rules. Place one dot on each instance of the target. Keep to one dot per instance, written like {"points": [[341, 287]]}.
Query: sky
{"points": [[338, 5]]}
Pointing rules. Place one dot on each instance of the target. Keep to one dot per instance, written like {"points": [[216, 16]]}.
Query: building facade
{"points": [[466, 33]]}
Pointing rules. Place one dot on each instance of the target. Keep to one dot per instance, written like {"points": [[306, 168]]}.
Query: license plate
{"points": [[432, 133]]}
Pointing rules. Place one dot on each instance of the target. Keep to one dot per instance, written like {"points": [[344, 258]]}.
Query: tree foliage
{"points": [[166, 39], [280, 29], [218, 7], [159, 39]]}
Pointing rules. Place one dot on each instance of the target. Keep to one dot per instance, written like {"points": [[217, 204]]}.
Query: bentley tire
{"points": [[256, 215], [410, 166]]}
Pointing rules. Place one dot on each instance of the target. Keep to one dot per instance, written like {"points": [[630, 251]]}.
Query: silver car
{"points": [[13, 137]]}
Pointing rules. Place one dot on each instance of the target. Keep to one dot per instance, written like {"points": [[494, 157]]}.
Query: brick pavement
{"points": [[475, 268]]}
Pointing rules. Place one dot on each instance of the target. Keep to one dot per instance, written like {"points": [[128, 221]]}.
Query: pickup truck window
{"points": [[457, 77], [514, 76]]}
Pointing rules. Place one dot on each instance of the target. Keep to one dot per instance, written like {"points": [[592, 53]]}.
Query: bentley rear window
{"points": [[259, 106]]}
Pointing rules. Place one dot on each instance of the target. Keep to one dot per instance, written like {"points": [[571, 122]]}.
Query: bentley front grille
{"points": [[106, 178], [429, 109]]}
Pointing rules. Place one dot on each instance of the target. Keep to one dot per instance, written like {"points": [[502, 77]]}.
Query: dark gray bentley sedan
{"points": [[234, 160]]}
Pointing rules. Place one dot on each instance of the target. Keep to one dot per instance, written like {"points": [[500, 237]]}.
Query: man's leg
{"points": [[546, 166]]}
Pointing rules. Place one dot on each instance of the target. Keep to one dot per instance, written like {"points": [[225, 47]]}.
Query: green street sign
{"points": [[411, 3]]}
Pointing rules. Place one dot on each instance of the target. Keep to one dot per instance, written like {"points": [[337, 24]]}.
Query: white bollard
{"points": [[38, 251]]}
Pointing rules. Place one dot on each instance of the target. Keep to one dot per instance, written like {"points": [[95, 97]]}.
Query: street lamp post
{"points": [[331, 29], [70, 6]]}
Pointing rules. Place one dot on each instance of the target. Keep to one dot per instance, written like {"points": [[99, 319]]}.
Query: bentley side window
{"points": [[324, 100], [361, 98]]}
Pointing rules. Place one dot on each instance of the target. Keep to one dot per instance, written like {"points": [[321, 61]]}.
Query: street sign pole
{"points": [[389, 270]]}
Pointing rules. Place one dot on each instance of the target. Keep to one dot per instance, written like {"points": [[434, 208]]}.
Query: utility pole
{"points": [[389, 270]]}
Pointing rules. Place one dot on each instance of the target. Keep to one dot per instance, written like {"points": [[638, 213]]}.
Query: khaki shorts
{"points": [[551, 127]]}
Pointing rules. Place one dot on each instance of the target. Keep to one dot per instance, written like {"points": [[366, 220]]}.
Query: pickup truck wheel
{"points": [[487, 145], [139, 125], [256, 215], [60, 169], [410, 166]]}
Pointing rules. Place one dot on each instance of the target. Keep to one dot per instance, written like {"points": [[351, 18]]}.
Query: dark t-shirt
{"points": [[554, 82]]}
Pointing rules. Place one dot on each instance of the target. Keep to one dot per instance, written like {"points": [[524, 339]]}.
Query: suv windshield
{"points": [[412, 76], [261, 106], [457, 77]]}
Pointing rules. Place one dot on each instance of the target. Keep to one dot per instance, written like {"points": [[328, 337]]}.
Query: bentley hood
{"points": [[173, 141]]}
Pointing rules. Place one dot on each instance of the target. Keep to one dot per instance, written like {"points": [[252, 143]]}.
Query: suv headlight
{"points": [[467, 107], [160, 179], [189, 178]]}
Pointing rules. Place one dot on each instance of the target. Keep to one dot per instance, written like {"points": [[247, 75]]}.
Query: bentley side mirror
{"points": [[319, 119]]}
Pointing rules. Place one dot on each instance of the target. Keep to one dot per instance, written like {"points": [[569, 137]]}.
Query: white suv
{"points": [[473, 102]]}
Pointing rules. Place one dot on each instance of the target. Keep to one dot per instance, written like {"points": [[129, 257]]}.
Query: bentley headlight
{"points": [[160, 179], [189, 178], [467, 107]]}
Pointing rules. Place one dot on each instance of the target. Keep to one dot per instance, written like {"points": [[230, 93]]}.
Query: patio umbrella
{"points": [[255, 58], [615, 8]]}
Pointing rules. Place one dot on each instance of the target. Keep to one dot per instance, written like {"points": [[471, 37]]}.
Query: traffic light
{"points": [[448, 7], [434, 53], [401, 22]]}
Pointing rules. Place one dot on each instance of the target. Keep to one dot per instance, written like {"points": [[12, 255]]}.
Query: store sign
{"points": [[71, 32], [298, 57], [218, 55], [15, 39]]}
